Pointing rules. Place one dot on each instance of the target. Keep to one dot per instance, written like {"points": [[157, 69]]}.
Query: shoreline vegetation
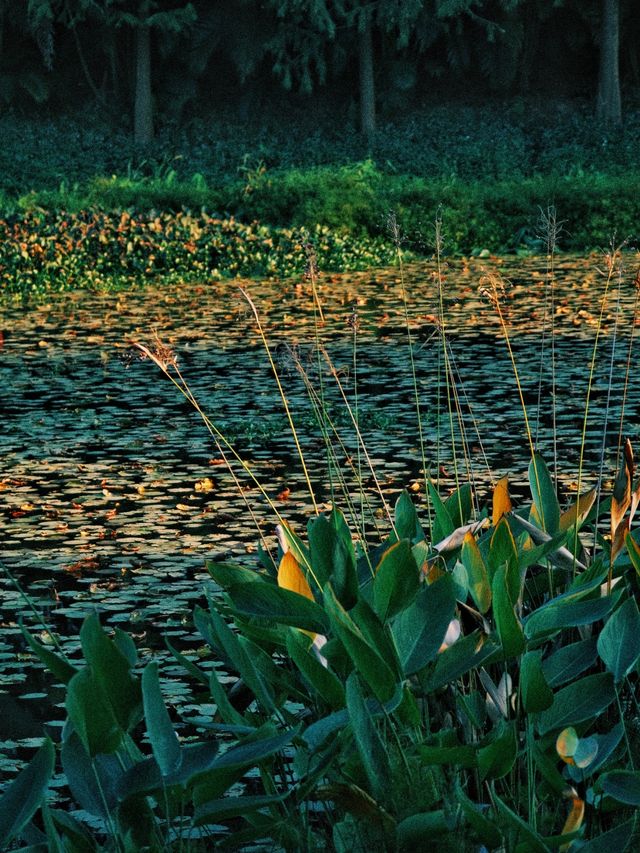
{"points": [[77, 210]]}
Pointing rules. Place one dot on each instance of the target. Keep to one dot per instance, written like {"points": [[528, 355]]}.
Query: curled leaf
{"points": [[291, 576]]}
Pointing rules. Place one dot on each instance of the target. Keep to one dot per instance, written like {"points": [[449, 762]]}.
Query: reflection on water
{"points": [[113, 492]]}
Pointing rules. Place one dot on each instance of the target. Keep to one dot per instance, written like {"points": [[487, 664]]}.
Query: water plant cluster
{"points": [[58, 251], [466, 671]]}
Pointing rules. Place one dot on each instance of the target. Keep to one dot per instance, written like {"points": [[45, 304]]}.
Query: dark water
{"points": [[112, 492]]}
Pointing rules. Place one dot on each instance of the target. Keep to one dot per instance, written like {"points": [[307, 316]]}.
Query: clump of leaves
{"points": [[477, 682]]}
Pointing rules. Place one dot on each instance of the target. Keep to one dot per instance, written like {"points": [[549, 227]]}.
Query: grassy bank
{"points": [[80, 207]]}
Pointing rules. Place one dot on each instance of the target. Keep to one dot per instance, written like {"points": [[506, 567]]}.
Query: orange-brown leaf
{"points": [[501, 500], [574, 820], [291, 576], [577, 511]]}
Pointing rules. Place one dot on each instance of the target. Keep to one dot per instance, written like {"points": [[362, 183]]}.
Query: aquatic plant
{"points": [[472, 677]]}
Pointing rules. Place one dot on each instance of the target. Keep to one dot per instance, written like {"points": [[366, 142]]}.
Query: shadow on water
{"points": [[113, 493]]}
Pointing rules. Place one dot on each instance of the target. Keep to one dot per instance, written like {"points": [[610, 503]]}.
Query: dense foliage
{"points": [[477, 679]]}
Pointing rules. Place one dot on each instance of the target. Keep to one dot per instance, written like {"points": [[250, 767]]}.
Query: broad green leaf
{"points": [[634, 552], [607, 744], [378, 675], [58, 666], [502, 549], [459, 506], [219, 695], [376, 634], [344, 578], [569, 662], [616, 839], [322, 542], [234, 650], [93, 780], [164, 741], [497, 757], [22, 797], [535, 692], [396, 581], [619, 640], [370, 746], [279, 605], [463, 755], [295, 544], [566, 613], [507, 623], [413, 830], [232, 574], [465, 654], [579, 701], [485, 829], [92, 714], [224, 808], [406, 519], [111, 670], [420, 629], [78, 838], [544, 495], [187, 663], [443, 523], [622, 785], [320, 677], [479, 585], [521, 829], [578, 511]]}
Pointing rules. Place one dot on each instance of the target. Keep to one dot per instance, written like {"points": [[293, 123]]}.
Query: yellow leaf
{"points": [[501, 500], [574, 820], [578, 510], [566, 745], [291, 576]]}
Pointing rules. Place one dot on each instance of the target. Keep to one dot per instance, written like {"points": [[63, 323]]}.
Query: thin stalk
{"points": [[611, 261], [349, 409], [491, 287], [459, 382], [354, 328], [165, 362], [395, 233], [445, 357], [283, 397], [608, 402], [627, 372], [29, 602]]}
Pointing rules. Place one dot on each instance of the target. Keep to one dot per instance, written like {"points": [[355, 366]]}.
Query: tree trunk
{"points": [[143, 110], [367, 84], [608, 106]]}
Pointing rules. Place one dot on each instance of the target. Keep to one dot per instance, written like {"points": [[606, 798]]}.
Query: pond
{"points": [[113, 493]]}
